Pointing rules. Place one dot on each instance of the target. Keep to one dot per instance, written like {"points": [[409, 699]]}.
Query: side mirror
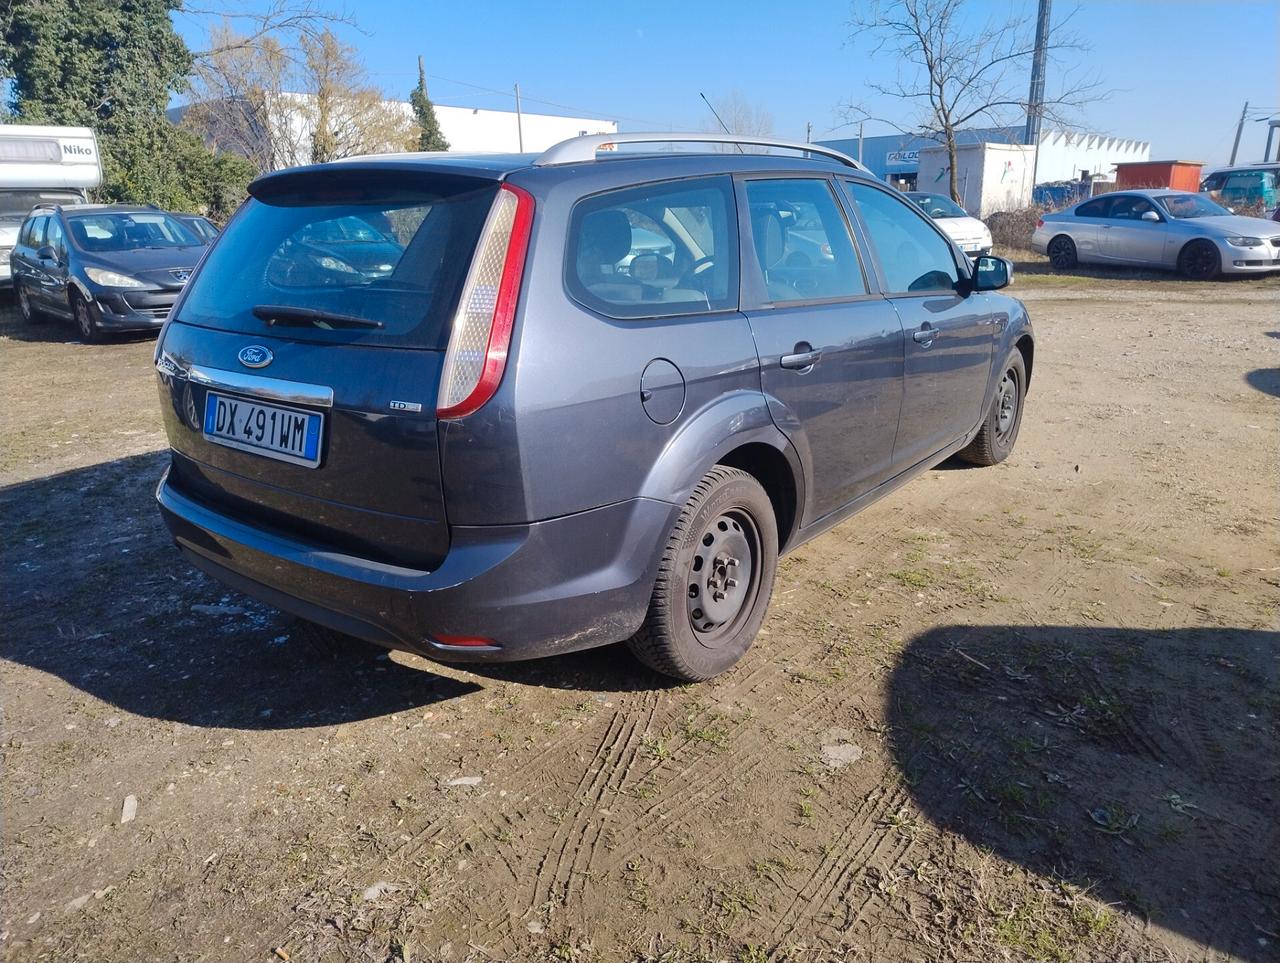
{"points": [[992, 273], [47, 253], [1150, 216]]}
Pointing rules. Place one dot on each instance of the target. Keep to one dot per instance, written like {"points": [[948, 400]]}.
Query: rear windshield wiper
{"points": [[286, 316]]}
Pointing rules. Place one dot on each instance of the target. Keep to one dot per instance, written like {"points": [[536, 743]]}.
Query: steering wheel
{"points": [[700, 266]]}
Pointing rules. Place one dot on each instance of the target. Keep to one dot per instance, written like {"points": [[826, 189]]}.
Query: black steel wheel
{"points": [[999, 431], [86, 322], [1200, 261], [1062, 253], [714, 581]]}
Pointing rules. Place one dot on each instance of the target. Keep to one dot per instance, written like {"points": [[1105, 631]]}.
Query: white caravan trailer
{"points": [[42, 165]]}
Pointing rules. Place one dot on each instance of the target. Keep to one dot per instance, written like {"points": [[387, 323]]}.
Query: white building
{"points": [[1064, 156], [470, 129]]}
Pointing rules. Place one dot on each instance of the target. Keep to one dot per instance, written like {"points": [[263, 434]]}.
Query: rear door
{"points": [[339, 342], [948, 336], [831, 348], [26, 265]]}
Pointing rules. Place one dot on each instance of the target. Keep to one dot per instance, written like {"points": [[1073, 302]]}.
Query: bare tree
{"points": [[955, 69], [279, 107], [739, 116], [278, 23]]}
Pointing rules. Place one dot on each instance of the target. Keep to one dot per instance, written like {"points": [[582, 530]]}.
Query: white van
{"points": [[42, 165]]}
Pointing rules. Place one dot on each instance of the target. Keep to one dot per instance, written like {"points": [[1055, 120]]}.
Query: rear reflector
{"points": [[481, 332], [468, 641]]}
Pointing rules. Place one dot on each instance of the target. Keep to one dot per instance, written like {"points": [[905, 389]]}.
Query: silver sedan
{"points": [[1159, 228]]}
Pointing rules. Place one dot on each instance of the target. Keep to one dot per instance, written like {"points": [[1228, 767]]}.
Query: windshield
{"points": [[1183, 206], [938, 205], [16, 205], [109, 231], [358, 247]]}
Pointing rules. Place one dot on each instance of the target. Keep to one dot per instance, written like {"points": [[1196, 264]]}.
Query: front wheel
{"points": [[995, 439], [1200, 261], [715, 579], [86, 321]]}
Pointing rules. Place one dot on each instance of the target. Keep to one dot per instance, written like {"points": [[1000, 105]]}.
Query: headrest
{"points": [[766, 226], [606, 236]]}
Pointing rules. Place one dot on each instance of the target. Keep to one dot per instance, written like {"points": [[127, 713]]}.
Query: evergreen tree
{"points": [[112, 65], [430, 137]]}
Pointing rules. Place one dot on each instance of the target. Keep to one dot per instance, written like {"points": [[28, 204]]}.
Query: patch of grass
{"points": [[1042, 929], [713, 733], [913, 577]]}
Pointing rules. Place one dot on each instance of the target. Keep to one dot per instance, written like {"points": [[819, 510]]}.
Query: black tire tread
{"points": [[982, 450], [652, 644]]}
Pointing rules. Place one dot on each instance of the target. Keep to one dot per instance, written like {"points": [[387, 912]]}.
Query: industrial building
{"points": [[1063, 155]]}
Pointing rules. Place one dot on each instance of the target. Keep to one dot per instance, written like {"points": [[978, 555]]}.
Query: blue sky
{"points": [[1180, 69]]}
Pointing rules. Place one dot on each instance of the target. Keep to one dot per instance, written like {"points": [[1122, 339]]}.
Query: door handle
{"points": [[801, 360], [925, 335]]}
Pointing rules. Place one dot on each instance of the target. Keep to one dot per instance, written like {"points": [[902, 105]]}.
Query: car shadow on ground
{"points": [[97, 595], [1266, 380], [1141, 765]]}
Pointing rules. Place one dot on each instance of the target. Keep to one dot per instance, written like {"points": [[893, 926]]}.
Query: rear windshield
{"points": [[388, 248]]}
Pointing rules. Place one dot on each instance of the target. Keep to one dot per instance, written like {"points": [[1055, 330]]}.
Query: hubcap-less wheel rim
{"points": [[83, 320], [1201, 260], [1060, 254], [723, 577], [1006, 404]]}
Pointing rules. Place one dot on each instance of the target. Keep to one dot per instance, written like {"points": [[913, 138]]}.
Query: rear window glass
{"points": [[656, 250], [388, 249]]}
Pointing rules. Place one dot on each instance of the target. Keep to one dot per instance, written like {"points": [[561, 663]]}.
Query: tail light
{"points": [[477, 353], [1040, 222]]}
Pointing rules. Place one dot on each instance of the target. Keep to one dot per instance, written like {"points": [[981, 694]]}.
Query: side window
{"points": [[1094, 208], [655, 250], [914, 256], [1213, 182], [34, 235], [1129, 207], [802, 242], [55, 237]]}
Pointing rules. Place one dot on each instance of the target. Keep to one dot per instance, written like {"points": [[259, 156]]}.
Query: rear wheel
{"points": [[1062, 253], [995, 439], [715, 579], [30, 313], [86, 319], [1200, 261]]}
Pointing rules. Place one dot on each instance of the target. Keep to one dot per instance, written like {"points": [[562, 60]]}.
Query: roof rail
{"points": [[576, 150]]}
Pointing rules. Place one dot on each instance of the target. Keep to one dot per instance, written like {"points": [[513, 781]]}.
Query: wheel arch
{"points": [[777, 476]]}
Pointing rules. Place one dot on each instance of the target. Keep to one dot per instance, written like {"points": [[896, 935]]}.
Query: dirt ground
{"points": [[1028, 712]]}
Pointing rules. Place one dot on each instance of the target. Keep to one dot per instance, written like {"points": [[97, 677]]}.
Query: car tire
{"points": [[714, 581], [86, 322], [1062, 253], [30, 313], [999, 431], [1200, 261]]}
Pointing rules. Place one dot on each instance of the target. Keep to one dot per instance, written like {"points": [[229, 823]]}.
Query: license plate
{"points": [[287, 434]]}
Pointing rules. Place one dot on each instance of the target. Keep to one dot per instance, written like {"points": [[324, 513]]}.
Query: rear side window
{"points": [[391, 249], [33, 233], [801, 241], [915, 258], [655, 250], [1094, 208]]}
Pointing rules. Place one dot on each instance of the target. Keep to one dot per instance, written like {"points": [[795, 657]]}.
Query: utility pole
{"points": [[1239, 130], [859, 142], [1035, 97], [808, 132], [519, 121]]}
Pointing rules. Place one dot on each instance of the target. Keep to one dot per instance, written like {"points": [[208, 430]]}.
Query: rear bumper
{"points": [[538, 589]]}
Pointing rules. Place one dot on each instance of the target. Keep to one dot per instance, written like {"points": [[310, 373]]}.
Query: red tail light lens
{"points": [[465, 640], [481, 333], [1040, 222]]}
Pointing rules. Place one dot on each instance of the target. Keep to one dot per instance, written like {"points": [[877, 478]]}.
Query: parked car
{"points": [[1257, 185], [507, 446], [199, 225], [1159, 228], [109, 268], [972, 236]]}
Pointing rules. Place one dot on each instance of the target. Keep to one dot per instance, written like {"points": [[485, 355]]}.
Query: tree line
{"points": [[272, 89]]}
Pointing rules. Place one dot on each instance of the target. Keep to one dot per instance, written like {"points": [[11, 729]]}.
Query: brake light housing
{"points": [[481, 333]]}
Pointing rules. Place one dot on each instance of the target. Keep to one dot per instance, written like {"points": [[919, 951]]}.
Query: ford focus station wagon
{"points": [[505, 406]]}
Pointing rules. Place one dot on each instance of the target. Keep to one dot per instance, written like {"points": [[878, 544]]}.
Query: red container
{"points": [[1181, 175]]}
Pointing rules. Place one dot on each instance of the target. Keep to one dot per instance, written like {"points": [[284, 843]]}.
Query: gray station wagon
{"points": [[504, 406]]}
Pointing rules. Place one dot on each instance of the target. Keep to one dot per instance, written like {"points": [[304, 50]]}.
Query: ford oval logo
{"points": [[255, 356]]}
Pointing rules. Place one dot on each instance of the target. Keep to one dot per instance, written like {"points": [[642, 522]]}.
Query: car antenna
{"points": [[722, 123]]}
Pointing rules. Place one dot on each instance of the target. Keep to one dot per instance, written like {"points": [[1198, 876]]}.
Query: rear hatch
{"points": [[300, 370]]}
